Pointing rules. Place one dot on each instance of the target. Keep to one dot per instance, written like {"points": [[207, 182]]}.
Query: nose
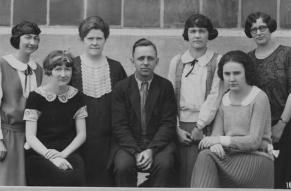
{"points": [[33, 41], [63, 73], [94, 41], [231, 78], [146, 61]]}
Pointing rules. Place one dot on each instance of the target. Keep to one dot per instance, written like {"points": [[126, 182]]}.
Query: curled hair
{"points": [[57, 58], [25, 27], [252, 18], [201, 21], [241, 58], [93, 22], [144, 42]]}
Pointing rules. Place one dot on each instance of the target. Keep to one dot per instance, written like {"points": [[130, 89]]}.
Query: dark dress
{"points": [[274, 77], [96, 149], [56, 130]]}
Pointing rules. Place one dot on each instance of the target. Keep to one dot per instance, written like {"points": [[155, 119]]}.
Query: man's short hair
{"points": [[143, 42]]}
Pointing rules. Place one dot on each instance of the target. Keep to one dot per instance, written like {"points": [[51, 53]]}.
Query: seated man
{"points": [[144, 114]]}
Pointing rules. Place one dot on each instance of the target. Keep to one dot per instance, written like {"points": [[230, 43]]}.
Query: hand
{"points": [[52, 153], [3, 150], [277, 131], [218, 149], [207, 142], [196, 134], [61, 163], [144, 159], [183, 136]]}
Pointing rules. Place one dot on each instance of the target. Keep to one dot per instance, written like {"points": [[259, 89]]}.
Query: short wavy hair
{"points": [[93, 22], [242, 58], [199, 20], [22, 28], [144, 42], [252, 18], [57, 58]]}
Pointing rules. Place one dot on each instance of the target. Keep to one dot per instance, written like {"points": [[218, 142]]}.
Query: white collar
{"points": [[139, 82], [202, 60], [247, 100], [17, 64], [51, 96]]}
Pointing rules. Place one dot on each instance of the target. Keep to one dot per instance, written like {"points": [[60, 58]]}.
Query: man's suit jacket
{"points": [[161, 114]]}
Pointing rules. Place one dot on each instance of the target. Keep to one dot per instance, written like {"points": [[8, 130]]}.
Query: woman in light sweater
{"points": [[239, 151]]}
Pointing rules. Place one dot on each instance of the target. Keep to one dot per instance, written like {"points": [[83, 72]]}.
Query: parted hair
{"points": [[144, 42], [93, 22], [22, 28], [57, 58], [241, 58], [199, 20], [252, 18]]}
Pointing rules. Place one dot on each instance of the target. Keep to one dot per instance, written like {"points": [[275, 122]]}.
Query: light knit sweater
{"points": [[245, 127]]}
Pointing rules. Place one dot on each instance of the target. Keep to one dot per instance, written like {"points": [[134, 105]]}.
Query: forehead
{"points": [[259, 22], [30, 35], [232, 66], [95, 33], [197, 28], [144, 51]]}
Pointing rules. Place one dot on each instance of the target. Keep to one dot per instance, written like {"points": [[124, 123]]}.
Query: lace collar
{"points": [[62, 97], [17, 64]]}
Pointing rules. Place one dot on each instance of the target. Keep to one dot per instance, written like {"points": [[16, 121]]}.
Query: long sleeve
{"points": [[1, 95], [210, 106], [120, 122], [167, 123], [218, 124], [260, 125], [172, 70]]}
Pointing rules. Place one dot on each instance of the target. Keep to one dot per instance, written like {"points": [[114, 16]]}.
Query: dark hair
{"points": [[241, 58], [143, 42], [93, 22], [57, 58], [25, 27], [198, 20], [252, 18]]}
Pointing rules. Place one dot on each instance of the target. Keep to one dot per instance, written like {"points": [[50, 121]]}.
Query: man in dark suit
{"points": [[144, 114]]}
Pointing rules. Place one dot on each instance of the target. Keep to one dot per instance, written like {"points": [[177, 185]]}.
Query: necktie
{"points": [[192, 67], [27, 72], [143, 96]]}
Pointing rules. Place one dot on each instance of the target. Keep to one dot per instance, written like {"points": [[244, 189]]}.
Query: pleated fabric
{"points": [[235, 170]]}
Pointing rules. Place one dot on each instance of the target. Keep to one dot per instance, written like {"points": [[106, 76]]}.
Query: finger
{"points": [[69, 165], [146, 162], [148, 166]]}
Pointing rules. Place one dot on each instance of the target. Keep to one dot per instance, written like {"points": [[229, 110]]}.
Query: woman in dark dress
{"points": [[55, 127], [273, 62], [95, 76]]}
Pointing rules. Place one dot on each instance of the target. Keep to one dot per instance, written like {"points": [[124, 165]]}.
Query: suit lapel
{"points": [[152, 98], [134, 96]]}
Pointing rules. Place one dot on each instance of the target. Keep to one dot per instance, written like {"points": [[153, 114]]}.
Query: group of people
{"points": [[217, 121]]}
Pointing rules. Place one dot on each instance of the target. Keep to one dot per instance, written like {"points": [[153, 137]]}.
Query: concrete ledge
{"points": [[27, 188]]}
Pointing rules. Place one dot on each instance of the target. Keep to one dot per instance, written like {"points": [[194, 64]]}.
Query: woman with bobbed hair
{"points": [[273, 63], [55, 127], [239, 151], [197, 89], [95, 75], [19, 75]]}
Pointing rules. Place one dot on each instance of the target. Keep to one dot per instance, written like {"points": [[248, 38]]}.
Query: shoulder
{"points": [[164, 83], [261, 97], [123, 83], [175, 60], [77, 61]]}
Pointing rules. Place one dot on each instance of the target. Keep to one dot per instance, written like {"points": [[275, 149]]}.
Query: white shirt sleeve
{"points": [[1, 95]]}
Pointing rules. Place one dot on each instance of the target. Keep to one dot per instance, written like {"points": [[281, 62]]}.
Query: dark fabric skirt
{"points": [[187, 157], [42, 172], [235, 170]]}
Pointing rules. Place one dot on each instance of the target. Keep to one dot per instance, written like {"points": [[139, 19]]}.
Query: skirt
{"points": [[12, 170]]}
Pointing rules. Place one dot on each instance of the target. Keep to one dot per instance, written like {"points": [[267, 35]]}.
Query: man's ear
{"points": [[131, 60], [158, 61]]}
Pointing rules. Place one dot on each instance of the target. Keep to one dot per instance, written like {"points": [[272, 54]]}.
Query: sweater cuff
{"points": [[225, 140]]}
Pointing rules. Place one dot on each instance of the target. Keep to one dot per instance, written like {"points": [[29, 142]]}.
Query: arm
{"points": [[120, 122], [209, 107], [168, 121], [260, 120], [78, 140]]}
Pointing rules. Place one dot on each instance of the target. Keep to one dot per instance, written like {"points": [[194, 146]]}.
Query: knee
{"points": [[204, 155], [124, 163], [164, 164]]}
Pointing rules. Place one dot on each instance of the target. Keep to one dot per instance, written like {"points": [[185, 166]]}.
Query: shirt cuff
{"points": [[200, 124], [224, 140]]}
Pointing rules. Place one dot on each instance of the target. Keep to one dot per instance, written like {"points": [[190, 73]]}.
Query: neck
{"points": [[55, 89], [266, 47], [22, 56], [197, 53], [241, 94], [94, 57], [144, 78]]}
